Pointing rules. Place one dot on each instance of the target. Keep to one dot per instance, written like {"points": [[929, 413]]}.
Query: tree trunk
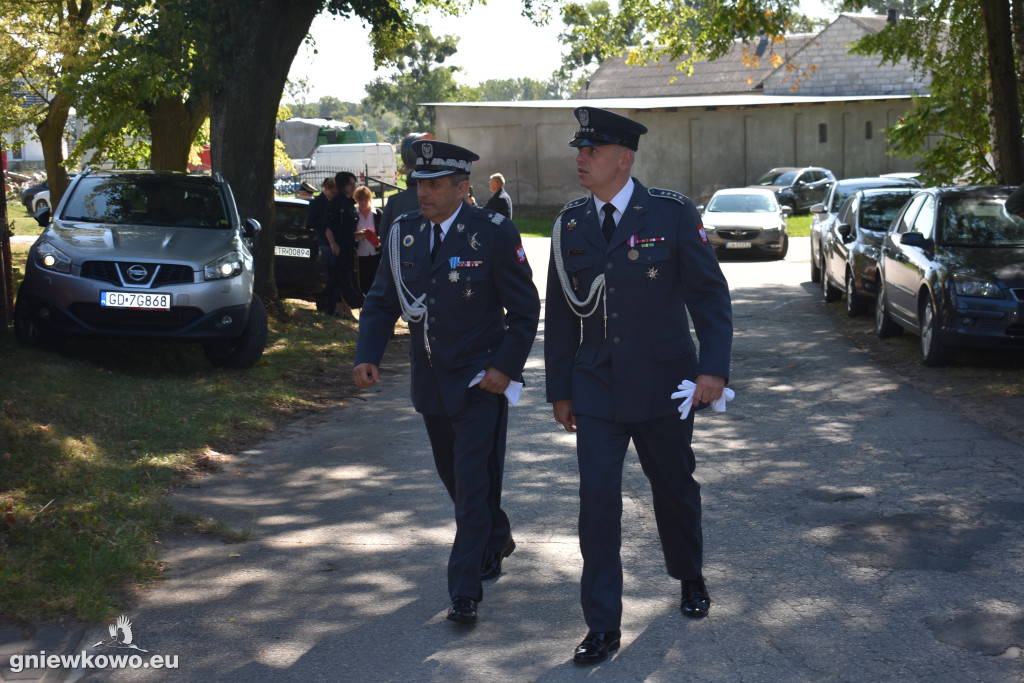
{"points": [[1004, 107], [6, 266], [262, 38], [173, 125], [51, 138]]}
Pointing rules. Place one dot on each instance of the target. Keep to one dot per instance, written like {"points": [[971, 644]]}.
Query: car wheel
{"points": [[885, 326], [783, 246], [39, 205], [854, 304], [933, 351], [244, 351], [828, 292], [26, 330], [815, 268]]}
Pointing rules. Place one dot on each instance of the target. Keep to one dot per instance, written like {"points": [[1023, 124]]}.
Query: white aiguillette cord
{"points": [[413, 308], [579, 307]]}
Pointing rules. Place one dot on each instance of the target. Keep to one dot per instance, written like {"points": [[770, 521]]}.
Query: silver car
{"points": [[746, 219], [149, 255]]}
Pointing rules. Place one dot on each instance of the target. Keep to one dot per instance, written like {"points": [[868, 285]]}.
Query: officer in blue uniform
{"points": [[627, 264], [459, 275]]}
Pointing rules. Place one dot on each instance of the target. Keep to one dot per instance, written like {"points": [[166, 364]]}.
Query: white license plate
{"points": [[291, 251], [142, 300], [738, 245]]}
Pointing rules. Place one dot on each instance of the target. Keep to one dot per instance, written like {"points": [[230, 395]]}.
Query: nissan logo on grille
{"points": [[138, 273]]}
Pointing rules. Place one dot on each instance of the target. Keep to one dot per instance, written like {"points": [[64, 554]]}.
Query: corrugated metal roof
{"points": [[644, 103]]}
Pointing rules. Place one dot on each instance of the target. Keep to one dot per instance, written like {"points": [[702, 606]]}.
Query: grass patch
{"points": [[95, 433], [799, 226], [22, 222]]}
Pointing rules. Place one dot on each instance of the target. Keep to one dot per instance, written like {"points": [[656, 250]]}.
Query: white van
{"points": [[364, 159]]}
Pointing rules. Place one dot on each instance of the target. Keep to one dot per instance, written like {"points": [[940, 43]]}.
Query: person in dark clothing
{"points": [[500, 201], [344, 294]]}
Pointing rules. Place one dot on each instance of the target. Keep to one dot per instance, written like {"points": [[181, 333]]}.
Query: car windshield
{"points": [[742, 203], [979, 222], [147, 200], [777, 178], [878, 211]]}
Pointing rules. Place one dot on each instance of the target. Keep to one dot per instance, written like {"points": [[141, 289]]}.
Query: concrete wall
{"points": [[693, 149]]}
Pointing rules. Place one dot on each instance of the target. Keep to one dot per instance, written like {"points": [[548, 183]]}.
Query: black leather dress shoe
{"points": [[596, 646], [696, 601], [463, 610], [491, 566]]}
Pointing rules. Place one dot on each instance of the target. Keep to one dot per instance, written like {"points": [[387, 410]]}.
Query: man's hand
{"points": [[564, 415], [495, 381], [709, 389], [365, 375]]}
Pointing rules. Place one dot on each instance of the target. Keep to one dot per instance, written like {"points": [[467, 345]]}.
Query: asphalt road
{"points": [[857, 530]]}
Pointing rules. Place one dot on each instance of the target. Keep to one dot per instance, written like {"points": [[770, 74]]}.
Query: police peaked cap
{"points": [[435, 159], [602, 127]]}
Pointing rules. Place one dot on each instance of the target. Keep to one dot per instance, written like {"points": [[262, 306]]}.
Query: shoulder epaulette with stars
{"points": [[415, 213], [668, 194], [579, 201]]}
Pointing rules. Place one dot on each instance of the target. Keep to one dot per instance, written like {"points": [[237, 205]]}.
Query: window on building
{"points": [[822, 133], [869, 131], [16, 153]]}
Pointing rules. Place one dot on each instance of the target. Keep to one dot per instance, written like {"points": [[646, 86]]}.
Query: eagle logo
{"points": [[120, 635]]}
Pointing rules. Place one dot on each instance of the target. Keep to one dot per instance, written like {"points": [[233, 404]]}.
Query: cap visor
{"points": [[424, 175]]}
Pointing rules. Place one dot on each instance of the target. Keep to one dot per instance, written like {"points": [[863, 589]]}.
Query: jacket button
{"points": [[614, 315], [433, 319], [616, 340], [609, 265], [430, 300], [611, 290]]}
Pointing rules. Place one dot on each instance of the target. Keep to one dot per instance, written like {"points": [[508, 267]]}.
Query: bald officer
{"points": [[627, 264], [458, 274]]}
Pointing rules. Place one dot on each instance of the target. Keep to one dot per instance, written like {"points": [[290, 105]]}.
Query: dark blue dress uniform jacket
{"points": [[630, 374], [484, 314]]}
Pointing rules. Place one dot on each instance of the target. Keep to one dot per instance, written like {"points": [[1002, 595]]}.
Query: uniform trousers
{"points": [[469, 453], [663, 447]]}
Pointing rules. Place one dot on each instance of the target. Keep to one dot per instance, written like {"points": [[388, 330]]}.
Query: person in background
{"points": [[316, 220], [627, 265], [341, 229], [462, 280], [367, 242], [500, 201]]}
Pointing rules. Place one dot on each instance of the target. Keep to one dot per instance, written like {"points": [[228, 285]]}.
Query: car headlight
{"points": [[228, 265], [967, 285], [50, 257]]}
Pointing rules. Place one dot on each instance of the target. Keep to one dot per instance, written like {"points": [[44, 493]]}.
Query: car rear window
{"points": [[147, 200]]}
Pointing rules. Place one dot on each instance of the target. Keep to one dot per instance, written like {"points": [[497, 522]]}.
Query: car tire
{"points": [[815, 268], [244, 351], [934, 352], [26, 330], [854, 304], [783, 246], [885, 326], [39, 205], [828, 292]]}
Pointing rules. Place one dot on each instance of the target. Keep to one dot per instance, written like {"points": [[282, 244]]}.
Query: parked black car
{"points": [[824, 214], [299, 266], [952, 270], [799, 188], [850, 246]]}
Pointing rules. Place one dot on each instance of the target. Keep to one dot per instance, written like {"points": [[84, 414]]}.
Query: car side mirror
{"points": [[42, 217], [251, 228], [700, 208], [913, 239], [818, 208], [787, 210], [845, 230]]}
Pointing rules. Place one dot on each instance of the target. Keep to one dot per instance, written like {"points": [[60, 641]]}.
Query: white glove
{"points": [[512, 392], [686, 388]]}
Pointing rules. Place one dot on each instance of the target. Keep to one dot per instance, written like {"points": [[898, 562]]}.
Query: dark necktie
{"points": [[608, 225], [437, 242]]}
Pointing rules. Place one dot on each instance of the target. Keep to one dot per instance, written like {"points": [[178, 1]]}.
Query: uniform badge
{"points": [[632, 254], [521, 254], [702, 233], [468, 294], [571, 225], [652, 273], [474, 243], [407, 241], [461, 228], [453, 276]]}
